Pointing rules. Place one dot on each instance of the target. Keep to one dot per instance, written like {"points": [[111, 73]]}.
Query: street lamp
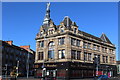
{"points": [[43, 72], [96, 64], [6, 69], [107, 70], [27, 65], [55, 73], [17, 68], [67, 74]]}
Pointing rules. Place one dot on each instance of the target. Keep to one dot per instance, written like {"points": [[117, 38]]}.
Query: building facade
{"points": [[17, 57], [64, 51], [118, 67]]}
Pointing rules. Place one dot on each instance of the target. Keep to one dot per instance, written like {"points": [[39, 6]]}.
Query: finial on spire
{"points": [[47, 15], [48, 6]]}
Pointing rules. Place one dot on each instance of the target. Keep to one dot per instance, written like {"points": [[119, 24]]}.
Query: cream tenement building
{"points": [[64, 51]]}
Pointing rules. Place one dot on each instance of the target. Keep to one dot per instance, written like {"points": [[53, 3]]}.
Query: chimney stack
{"points": [[9, 42], [26, 47]]}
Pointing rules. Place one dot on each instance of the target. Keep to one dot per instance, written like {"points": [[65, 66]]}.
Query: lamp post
{"points": [[6, 69], [55, 73], [17, 68], [67, 74], [107, 70], [43, 66], [96, 64], [27, 65], [43, 72]]}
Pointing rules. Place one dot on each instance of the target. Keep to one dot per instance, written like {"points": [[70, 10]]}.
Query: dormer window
{"points": [[75, 30], [61, 29], [51, 31], [41, 33]]}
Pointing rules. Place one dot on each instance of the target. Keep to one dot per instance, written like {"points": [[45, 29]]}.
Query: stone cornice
{"points": [[80, 36]]}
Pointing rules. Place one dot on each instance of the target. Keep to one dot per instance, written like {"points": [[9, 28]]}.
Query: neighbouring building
{"points": [[17, 56], [63, 51], [118, 67]]}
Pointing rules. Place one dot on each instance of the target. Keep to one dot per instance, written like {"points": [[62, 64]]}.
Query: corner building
{"points": [[63, 51]]}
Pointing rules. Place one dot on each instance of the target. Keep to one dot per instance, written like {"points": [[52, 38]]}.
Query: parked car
{"points": [[103, 77]]}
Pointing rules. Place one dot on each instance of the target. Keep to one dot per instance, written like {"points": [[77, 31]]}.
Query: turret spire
{"points": [[47, 15]]}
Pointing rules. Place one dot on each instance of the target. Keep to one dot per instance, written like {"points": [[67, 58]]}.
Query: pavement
{"points": [[113, 78]]}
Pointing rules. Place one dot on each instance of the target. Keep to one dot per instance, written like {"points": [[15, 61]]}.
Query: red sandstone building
{"points": [[12, 54]]}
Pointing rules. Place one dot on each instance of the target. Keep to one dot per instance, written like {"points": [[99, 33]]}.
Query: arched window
{"points": [[51, 50], [51, 44]]}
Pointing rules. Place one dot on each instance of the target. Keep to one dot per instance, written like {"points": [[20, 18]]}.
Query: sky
{"points": [[21, 21]]}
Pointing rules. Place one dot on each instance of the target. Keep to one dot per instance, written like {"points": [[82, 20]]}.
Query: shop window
{"points": [[61, 73]]}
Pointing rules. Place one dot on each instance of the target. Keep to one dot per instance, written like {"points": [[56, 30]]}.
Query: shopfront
{"points": [[76, 70]]}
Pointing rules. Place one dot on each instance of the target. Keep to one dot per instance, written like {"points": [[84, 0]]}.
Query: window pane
{"points": [[89, 56], [78, 42], [78, 55], [61, 41], [89, 45], [61, 54], [84, 45], [73, 41], [51, 54], [73, 54]]}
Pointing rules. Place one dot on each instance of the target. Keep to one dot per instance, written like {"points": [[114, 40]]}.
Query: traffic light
{"points": [[96, 61]]}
